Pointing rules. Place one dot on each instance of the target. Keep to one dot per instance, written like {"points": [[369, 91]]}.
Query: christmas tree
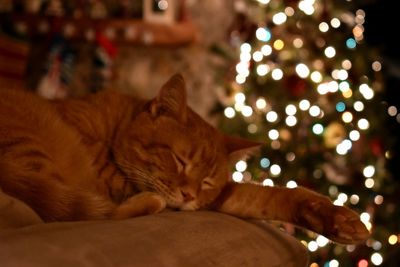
{"points": [[307, 85]]}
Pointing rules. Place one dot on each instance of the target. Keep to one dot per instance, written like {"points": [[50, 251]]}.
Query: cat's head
{"points": [[171, 150]]}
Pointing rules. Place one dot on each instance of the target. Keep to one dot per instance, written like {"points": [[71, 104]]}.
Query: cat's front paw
{"points": [[153, 202], [337, 223], [143, 203]]}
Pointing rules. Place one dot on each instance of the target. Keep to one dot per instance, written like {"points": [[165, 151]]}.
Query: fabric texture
{"points": [[168, 239]]}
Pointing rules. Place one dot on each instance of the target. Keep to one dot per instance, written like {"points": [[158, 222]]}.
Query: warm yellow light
{"points": [[279, 44], [392, 239], [358, 31], [348, 93]]}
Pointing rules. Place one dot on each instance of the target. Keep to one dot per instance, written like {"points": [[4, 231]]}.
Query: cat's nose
{"points": [[187, 196]]}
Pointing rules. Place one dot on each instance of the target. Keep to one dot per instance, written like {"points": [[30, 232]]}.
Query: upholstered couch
{"points": [[168, 239]]}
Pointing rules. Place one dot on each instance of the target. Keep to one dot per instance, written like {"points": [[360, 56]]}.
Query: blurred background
{"points": [[315, 80]]}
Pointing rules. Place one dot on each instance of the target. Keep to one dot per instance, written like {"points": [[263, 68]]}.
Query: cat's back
{"points": [[24, 110], [27, 120]]}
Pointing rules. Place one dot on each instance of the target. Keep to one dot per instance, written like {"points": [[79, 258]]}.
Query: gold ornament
{"points": [[334, 134]]}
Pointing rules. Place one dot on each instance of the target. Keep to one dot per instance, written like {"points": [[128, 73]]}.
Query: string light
{"points": [[273, 134], [392, 240], [318, 129], [279, 18], [277, 74], [304, 104], [263, 69], [363, 124], [291, 184], [257, 56], [358, 106], [335, 23], [266, 50], [237, 177], [272, 116], [330, 52], [268, 182], [290, 109], [369, 171], [323, 27], [278, 44], [241, 166], [263, 34], [229, 112], [376, 258], [316, 76], [302, 70], [275, 170], [261, 103]]}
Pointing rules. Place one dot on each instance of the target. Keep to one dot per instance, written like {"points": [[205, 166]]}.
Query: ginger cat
{"points": [[109, 155]]}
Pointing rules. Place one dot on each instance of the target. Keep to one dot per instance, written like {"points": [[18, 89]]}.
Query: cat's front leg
{"points": [[143, 203], [299, 206]]}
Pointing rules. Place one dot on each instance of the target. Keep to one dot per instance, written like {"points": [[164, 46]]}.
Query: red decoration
{"points": [[376, 146], [295, 86]]}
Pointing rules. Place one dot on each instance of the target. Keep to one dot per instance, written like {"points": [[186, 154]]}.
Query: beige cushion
{"points": [[176, 239], [168, 239]]}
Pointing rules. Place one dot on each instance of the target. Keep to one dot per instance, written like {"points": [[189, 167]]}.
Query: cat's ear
{"points": [[239, 148], [171, 99]]}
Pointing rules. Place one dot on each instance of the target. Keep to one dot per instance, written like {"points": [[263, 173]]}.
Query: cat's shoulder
{"points": [[18, 96]]}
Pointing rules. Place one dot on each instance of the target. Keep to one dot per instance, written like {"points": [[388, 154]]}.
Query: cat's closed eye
{"points": [[207, 184], [179, 162]]}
